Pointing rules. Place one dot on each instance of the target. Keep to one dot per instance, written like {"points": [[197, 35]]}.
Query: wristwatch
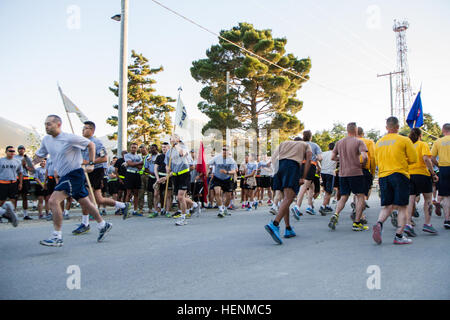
{"points": [[91, 163]]}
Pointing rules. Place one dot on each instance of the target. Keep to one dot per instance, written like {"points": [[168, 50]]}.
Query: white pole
{"points": [[123, 80]]}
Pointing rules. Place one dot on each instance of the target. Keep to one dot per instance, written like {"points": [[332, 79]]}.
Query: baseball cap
{"points": [[20, 147]]}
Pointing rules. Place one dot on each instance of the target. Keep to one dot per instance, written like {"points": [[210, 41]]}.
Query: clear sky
{"points": [[348, 41]]}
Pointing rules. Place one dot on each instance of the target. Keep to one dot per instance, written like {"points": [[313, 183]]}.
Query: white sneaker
{"points": [[181, 222]]}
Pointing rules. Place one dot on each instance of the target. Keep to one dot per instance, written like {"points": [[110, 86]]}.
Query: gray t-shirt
{"points": [[219, 162], [39, 173], [10, 169], [315, 150], [27, 160], [100, 152], [65, 151], [178, 163], [50, 168], [133, 158], [266, 170], [150, 163], [110, 170]]}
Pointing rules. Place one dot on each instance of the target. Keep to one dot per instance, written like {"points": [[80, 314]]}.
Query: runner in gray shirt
{"points": [[27, 166], [65, 151], [10, 169]]}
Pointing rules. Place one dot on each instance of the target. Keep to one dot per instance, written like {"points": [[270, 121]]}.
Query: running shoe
{"points": [[103, 231], [289, 233], [126, 211], [416, 213], [10, 215], [181, 222], [231, 207], [168, 215], [363, 221], [310, 211], [27, 218], [437, 208], [269, 202], [209, 206], [66, 217], [377, 231], [243, 206], [220, 214], [255, 205], [188, 215], [402, 240], [153, 214], [323, 211], [409, 230], [226, 213], [273, 211], [429, 229], [118, 212], [103, 213], [359, 227], [52, 242], [394, 216], [328, 209], [49, 217], [447, 224], [82, 228], [137, 214], [274, 232], [333, 222]]}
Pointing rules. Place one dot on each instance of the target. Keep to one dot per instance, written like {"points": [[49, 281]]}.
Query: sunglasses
{"points": [[11, 150]]}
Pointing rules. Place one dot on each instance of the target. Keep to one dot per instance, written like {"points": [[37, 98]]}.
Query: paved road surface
{"points": [[229, 258]]}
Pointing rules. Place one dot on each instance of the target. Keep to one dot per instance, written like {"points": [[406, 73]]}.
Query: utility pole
{"points": [[390, 81], [122, 136]]}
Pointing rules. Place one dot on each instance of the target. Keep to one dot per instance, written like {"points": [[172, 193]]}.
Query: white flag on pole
{"points": [[71, 107], [181, 114]]}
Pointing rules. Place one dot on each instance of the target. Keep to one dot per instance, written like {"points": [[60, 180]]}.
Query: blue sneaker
{"points": [[274, 232], [255, 204], [126, 211], [249, 208], [82, 228], [137, 214], [289, 233], [103, 231], [310, 211], [52, 242], [296, 213]]}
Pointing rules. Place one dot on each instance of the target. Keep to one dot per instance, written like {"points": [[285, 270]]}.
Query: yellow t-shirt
{"points": [[441, 148], [394, 153], [370, 165], [422, 149]]}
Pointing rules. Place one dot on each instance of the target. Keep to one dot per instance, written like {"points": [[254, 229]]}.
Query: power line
{"points": [[256, 55]]}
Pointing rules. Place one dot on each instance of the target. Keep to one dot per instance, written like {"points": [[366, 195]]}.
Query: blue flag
{"points": [[415, 116]]}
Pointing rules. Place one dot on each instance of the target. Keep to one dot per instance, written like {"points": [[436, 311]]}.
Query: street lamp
{"points": [[123, 78]]}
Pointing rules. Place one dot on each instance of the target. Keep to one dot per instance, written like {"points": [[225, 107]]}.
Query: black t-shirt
{"points": [[160, 162], [122, 170]]}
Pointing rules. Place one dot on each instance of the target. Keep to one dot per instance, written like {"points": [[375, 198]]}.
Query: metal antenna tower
{"points": [[403, 82]]}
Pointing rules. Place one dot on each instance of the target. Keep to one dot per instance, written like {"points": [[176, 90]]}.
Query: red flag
{"points": [[201, 168]]}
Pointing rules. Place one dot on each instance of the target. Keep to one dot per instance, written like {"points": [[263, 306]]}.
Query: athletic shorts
{"points": [[287, 176], [113, 187], [39, 191], [265, 182], [209, 182], [122, 186], [328, 182], [9, 191], [25, 186], [316, 182], [355, 185], [311, 173], [394, 190], [132, 181], [51, 184], [96, 178], [368, 179], [444, 181], [234, 185], [73, 184], [104, 185], [419, 183], [241, 183], [150, 183], [226, 185], [181, 182]]}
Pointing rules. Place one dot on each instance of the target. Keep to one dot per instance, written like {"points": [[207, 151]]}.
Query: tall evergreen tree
{"points": [[261, 95], [148, 114]]}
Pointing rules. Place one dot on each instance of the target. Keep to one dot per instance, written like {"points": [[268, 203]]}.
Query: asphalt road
{"points": [[229, 258]]}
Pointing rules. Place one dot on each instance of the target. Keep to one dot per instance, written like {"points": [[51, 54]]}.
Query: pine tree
{"points": [[148, 114]]}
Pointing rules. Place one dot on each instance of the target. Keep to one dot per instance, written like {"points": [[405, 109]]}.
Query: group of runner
{"points": [[76, 168]]}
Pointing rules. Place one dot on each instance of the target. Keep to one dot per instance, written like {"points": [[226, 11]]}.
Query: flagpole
{"points": [[73, 132]]}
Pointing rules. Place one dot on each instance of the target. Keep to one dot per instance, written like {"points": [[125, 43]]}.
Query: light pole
{"points": [[390, 81], [123, 79]]}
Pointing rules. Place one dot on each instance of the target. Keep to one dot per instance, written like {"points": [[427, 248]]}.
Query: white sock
{"points": [[119, 205], [57, 234], [101, 225], [85, 219]]}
